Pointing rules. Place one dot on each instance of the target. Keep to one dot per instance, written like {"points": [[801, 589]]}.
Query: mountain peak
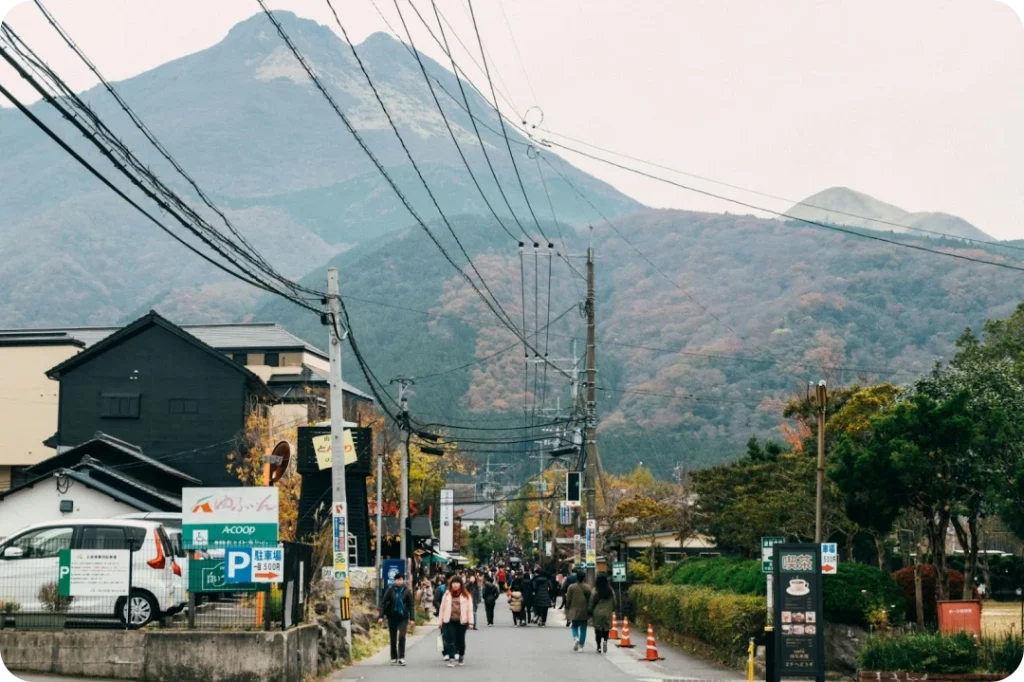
{"points": [[846, 206], [259, 27]]}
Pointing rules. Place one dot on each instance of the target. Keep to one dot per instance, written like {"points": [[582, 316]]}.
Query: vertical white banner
{"points": [[447, 520]]}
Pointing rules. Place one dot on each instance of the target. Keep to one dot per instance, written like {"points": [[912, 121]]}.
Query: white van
{"points": [[172, 524], [29, 561]]}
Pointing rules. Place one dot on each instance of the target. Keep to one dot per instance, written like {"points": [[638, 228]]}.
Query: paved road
{"points": [[507, 654]]}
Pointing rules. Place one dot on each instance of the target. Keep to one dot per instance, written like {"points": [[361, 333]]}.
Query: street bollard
{"points": [[750, 661]]}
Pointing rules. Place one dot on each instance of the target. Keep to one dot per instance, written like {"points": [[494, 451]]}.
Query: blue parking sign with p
{"points": [[238, 565]]}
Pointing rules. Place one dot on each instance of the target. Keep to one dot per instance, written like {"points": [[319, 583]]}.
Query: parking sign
{"points": [[253, 564]]}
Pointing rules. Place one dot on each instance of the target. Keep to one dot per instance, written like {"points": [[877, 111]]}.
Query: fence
{"points": [[125, 577]]}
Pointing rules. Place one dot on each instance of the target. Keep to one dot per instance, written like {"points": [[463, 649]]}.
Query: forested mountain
{"points": [[248, 124], [690, 372]]}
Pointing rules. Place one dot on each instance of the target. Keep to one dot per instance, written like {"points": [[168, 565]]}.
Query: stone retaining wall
{"points": [[166, 655], [875, 676]]}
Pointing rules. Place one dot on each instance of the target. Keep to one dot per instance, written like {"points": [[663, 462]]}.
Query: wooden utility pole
{"points": [[590, 442], [821, 395]]}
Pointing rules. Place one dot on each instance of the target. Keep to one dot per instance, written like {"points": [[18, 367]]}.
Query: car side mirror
{"points": [[13, 552]]}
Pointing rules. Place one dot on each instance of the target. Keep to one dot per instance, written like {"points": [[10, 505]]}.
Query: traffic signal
{"points": [[572, 487]]}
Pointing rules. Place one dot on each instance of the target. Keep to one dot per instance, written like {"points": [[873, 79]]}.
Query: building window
{"points": [[272, 359], [119, 405], [240, 358], [182, 406]]}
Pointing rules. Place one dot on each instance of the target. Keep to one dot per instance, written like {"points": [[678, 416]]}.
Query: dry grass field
{"points": [[999, 618]]}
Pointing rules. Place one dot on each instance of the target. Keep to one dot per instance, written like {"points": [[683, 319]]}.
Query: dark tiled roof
{"points": [[118, 485], [68, 457], [223, 337]]}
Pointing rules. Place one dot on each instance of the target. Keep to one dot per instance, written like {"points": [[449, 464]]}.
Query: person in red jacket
{"points": [[502, 579]]}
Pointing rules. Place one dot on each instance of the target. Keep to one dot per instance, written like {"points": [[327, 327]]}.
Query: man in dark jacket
{"points": [[541, 598], [527, 591], [490, 599], [397, 608]]}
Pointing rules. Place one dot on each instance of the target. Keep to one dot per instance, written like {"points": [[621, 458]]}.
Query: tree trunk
{"points": [[965, 543], [984, 555], [654, 539], [883, 558], [972, 564], [937, 528], [918, 592]]}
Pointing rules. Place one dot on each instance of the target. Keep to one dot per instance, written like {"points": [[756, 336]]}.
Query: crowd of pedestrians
{"points": [[454, 599]]}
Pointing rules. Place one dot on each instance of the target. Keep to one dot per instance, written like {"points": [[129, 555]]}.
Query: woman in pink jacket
{"points": [[456, 616]]}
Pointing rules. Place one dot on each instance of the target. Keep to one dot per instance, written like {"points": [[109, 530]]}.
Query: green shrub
{"points": [[856, 590], [905, 579], [850, 596], [1002, 654], [921, 653], [722, 620]]}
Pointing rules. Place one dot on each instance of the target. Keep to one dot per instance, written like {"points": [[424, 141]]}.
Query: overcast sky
{"points": [[917, 102]]}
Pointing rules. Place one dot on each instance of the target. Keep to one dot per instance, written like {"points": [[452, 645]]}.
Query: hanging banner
{"points": [[340, 543], [565, 514], [447, 520], [322, 447], [591, 543], [577, 546]]}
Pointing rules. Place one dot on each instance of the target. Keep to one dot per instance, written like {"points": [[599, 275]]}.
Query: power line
{"points": [[412, 161], [501, 120], [522, 65], [826, 226], [768, 195]]}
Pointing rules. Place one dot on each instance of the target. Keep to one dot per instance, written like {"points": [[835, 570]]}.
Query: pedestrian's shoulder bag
{"points": [[440, 643]]}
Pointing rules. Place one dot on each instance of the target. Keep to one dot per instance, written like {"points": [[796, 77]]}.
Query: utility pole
{"points": [[380, 503], [337, 440], [591, 406], [820, 394], [403, 512]]}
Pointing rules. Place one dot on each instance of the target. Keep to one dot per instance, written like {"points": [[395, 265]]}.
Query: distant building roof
{"points": [[477, 512], [116, 453], [223, 337], [283, 384]]}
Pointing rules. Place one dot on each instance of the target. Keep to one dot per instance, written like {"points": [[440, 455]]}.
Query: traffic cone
{"points": [[652, 648], [614, 632], [624, 642]]}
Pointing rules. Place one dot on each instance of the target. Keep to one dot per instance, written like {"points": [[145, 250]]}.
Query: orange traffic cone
{"points": [[624, 642], [652, 648], [614, 632]]}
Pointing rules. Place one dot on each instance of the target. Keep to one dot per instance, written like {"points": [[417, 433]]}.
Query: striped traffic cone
{"points": [[624, 642], [614, 632], [652, 648]]}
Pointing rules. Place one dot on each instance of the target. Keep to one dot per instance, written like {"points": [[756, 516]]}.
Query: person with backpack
{"points": [[438, 594], [397, 608], [541, 598], [515, 603], [490, 599], [577, 610], [526, 588]]}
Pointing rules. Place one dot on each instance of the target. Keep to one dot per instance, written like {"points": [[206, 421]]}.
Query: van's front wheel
{"points": [[144, 609]]}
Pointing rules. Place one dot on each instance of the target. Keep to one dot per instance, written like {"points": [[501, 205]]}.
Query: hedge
{"points": [[905, 579], [722, 620], [850, 596], [921, 653]]}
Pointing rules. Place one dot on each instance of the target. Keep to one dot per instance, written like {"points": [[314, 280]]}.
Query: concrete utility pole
{"points": [[337, 435], [591, 406], [380, 503], [820, 394], [403, 512]]}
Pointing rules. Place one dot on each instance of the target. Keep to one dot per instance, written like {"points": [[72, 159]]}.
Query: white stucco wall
{"points": [[41, 503]]}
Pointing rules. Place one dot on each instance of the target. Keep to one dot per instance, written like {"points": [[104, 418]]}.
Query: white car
{"points": [[29, 560], [172, 524]]}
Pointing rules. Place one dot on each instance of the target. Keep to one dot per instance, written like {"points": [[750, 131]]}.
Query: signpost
{"points": [[447, 520], [619, 572], [340, 543], [224, 517], [800, 639], [253, 565], [591, 543], [766, 552], [829, 558], [93, 572]]}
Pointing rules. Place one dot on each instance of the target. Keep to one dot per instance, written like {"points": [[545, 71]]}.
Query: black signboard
{"points": [[799, 622]]}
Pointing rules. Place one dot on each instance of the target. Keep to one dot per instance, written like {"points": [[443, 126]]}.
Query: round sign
{"points": [[279, 459]]}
